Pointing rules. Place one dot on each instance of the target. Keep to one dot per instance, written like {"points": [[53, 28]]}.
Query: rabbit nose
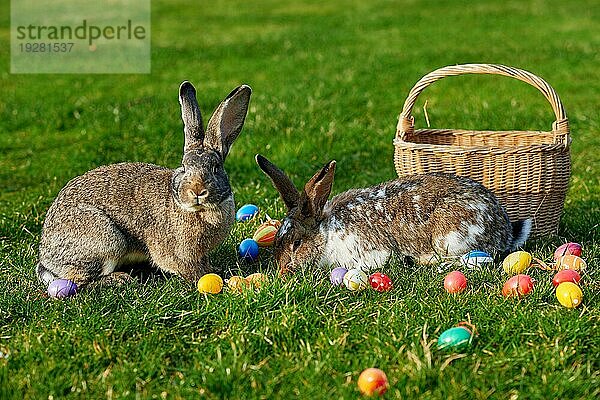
{"points": [[285, 269], [199, 195], [202, 194]]}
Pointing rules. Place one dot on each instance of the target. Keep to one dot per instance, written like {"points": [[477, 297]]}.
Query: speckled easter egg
{"points": [[476, 258], [237, 284], [380, 282], [517, 286], [246, 212], [569, 294], [248, 250], [210, 283], [455, 282], [571, 262], [356, 279], [457, 338], [567, 249], [337, 276], [516, 262], [257, 280], [61, 288], [265, 234]]}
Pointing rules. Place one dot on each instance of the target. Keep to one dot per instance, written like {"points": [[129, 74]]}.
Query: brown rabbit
{"points": [[126, 212], [427, 217]]}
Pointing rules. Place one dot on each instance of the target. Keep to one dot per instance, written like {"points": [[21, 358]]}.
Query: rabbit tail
{"points": [[521, 231], [45, 275]]}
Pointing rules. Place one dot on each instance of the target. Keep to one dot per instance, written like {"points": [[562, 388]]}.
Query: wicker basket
{"points": [[528, 171]]}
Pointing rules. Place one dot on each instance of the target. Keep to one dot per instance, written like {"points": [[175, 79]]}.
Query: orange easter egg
{"points": [[372, 381], [571, 261]]}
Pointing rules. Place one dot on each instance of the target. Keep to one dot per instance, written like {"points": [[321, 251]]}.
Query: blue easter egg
{"points": [[246, 212], [476, 258], [61, 288], [456, 338], [248, 249], [337, 276]]}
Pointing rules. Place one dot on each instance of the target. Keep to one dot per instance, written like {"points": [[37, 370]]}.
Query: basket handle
{"points": [[406, 120]]}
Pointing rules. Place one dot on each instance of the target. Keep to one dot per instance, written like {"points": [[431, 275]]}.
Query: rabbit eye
{"points": [[296, 244]]}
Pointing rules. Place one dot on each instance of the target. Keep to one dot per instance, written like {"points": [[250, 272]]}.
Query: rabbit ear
{"points": [[191, 116], [317, 190], [281, 181], [227, 121]]}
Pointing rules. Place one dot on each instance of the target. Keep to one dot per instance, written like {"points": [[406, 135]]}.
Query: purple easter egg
{"points": [[337, 276], [61, 288]]}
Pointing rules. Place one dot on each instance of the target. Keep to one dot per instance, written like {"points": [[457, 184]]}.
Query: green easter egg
{"points": [[456, 338]]}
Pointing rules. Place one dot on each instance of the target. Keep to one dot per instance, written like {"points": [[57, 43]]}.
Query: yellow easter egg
{"points": [[569, 294], [571, 261], [516, 262], [210, 283], [237, 284], [265, 234]]}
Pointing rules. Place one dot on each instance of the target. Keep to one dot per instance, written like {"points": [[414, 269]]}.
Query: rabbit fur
{"points": [[428, 217], [133, 212]]}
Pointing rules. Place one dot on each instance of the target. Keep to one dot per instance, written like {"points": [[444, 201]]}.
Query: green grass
{"points": [[329, 80]]}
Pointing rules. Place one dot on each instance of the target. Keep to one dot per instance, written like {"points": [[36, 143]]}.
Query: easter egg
{"points": [[61, 288], [476, 258], [456, 338], [516, 262], [571, 262], [257, 280], [210, 283], [380, 282], [373, 381], [337, 276], [265, 234], [248, 250], [569, 294], [455, 282], [566, 275], [356, 279], [246, 212], [518, 285], [567, 249], [237, 283]]}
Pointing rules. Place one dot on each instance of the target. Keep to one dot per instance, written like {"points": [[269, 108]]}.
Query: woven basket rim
{"points": [[444, 148], [448, 131]]}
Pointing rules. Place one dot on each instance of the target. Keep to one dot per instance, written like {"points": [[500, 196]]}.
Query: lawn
{"points": [[329, 79]]}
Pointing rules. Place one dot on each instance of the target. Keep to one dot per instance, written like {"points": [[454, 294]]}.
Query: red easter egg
{"points": [[518, 285], [566, 275], [380, 282], [455, 282]]}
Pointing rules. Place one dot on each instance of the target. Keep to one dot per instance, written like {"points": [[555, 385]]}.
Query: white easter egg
{"points": [[355, 279]]}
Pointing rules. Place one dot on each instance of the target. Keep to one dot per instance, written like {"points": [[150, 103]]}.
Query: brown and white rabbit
{"points": [[427, 217], [132, 212]]}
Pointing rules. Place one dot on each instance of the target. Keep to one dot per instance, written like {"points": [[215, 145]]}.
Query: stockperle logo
{"points": [[80, 36]]}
